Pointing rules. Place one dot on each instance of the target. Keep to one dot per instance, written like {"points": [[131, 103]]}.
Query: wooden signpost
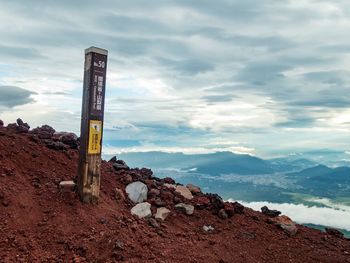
{"points": [[89, 168]]}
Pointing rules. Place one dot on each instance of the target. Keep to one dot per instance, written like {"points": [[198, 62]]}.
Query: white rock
{"points": [[142, 210], [67, 186], [184, 191], [137, 192], [208, 229], [184, 208], [162, 213]]}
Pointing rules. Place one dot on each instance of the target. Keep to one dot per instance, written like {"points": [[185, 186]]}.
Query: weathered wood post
{"points": [[89, 168]]}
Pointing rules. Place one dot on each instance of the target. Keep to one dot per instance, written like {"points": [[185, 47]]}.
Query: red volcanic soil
{"points": [[40, 223]]}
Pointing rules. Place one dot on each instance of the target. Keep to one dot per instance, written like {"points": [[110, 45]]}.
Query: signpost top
{"points": [[96, 50]]}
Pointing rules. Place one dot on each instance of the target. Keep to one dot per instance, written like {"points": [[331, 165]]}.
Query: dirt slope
{"points": [[39, 223]]}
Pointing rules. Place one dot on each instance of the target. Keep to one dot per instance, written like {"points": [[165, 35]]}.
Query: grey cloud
{"points": [[295, 122], [218, 98], [19, 52], [187, 66], [262, 73], [11, 96]]}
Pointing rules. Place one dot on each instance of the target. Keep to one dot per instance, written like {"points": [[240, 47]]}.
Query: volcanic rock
{"points": [[168, 180], [167, 197], [44, 132], [201, 202], [12, 126], [113, 159], [1, 123], [184, 208], [193, 189], [238, 208], [153, 193], [153, 222], [55, 145], [67, 138], [272, 213], [285, 223], [21, 123], [334, 232], [22, 129], [142, 210], [137, 192], [183, 191], [222, 214], [162, 213], [120, 165]]}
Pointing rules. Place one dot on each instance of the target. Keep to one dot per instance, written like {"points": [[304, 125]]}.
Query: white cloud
{"points": [[286, 61], [334, 216], [148, 147]]}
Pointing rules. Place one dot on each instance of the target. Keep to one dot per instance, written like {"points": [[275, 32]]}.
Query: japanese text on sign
{"points": [[95, 137], [98, 85]]}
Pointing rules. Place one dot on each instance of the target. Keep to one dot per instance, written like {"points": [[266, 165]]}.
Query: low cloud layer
{"points": [[334, 216]]}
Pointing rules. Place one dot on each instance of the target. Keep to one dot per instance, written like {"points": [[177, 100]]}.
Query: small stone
{"points": [[194, 189], [153, 193], [127, 179], [222, 214], [103, 220], [208, 229], [120, 165], [118, 194], [137, 192], [5, 203], [152, 222], [229, 209], [201, 201], [285, 223], [162, 213], [238, 208], [119, 245], [184, 208], [142, 210], [272, 213], [55, 145], [334, 232], [113, 159], [22, 129], [183, 190], [168, 180], [67, 138], [67, 186]]}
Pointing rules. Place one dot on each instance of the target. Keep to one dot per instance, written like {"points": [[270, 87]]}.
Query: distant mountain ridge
{"points": [[216, 163]]}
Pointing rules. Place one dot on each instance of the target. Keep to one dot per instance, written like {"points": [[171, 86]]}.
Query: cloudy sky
{"points": [[262, 77]]}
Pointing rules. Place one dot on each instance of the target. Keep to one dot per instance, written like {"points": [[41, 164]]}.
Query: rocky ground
{"points": [[140, 218]]}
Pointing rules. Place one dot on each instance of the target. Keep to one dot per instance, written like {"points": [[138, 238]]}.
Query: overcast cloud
{"points": [[271, 77]]}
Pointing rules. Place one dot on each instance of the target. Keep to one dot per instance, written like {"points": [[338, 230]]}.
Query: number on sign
{"points": [[100, 64]]}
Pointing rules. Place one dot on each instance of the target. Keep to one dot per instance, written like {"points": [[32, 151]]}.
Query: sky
{"points": [[267, 78]]}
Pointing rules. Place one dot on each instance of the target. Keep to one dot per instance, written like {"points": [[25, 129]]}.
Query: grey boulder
{"points": [[137, 192]]}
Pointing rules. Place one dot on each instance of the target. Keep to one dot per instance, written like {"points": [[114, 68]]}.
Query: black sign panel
{"points": [[98, 84]]}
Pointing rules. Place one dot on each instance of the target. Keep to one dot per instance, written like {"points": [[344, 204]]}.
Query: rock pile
{"points": [[165, 197], [46, 134]]}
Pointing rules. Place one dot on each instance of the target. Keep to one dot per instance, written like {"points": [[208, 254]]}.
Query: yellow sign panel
{"points": [[95, 137]]}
